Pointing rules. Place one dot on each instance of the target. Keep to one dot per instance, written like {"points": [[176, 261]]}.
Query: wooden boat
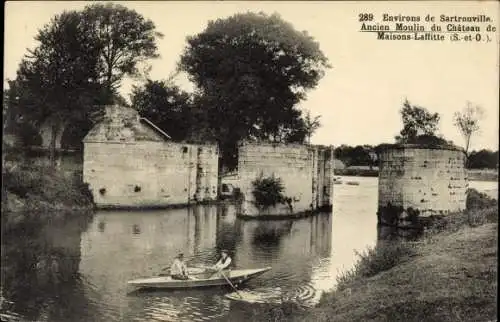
{"points": [[237, 276]]}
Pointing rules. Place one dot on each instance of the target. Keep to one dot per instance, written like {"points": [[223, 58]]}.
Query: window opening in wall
{"points": [[184, 149], [102, 191], [137, 189]]}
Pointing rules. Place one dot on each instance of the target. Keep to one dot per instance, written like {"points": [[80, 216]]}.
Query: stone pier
{"points": [[417, 181], [306, 172]]}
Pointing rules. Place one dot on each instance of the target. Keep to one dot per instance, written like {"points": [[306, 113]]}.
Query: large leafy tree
{"points": [[125, 40], [418, 122], [78, 64], [57, 81], [251, 71]]}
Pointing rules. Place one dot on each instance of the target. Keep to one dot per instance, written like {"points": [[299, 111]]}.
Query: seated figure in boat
{"points": [[178, 270], [222, 264]]}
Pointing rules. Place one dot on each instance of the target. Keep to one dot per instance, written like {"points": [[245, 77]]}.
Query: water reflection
{"points": [[40, 278], [111, 257], [389, 233], [77, 271]]}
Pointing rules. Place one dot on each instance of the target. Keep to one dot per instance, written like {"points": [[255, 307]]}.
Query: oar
{"points": [[163, 270], [229, 282]]}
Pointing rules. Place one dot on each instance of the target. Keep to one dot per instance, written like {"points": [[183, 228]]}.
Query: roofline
{"points": [[151, 124]]}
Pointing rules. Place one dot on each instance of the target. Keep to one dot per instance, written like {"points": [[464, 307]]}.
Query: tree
{"points": [[251, 71], [165, 105], [417, 121], [125, 40], [483, 159], [77, 65], [57, 81], [357, 156], [467, 122], [311, 125]]}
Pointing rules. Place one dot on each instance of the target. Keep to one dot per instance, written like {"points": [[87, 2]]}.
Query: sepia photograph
{"points": [[250, 161]]}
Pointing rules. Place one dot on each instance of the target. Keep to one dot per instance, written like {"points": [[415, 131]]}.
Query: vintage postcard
{"points": [[250, 161]]}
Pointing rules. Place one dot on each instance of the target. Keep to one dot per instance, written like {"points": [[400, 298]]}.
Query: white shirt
{"points": [[223, 264], [178, 268]]}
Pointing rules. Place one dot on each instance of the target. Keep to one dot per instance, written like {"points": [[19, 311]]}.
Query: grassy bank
{"points": [[29, 190], [449, 274]]}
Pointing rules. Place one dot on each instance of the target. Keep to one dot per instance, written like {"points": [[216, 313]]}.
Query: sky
{"points": [[360, 97]]}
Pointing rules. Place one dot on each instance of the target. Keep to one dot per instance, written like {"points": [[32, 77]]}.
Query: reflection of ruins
{"points": [[40, 271], [291, 247], [122, 245], [390, 233]]}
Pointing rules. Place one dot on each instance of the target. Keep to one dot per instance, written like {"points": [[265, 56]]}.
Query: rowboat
{"points": [[236, 277]]}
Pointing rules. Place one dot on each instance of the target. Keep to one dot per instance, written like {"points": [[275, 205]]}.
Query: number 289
{"points": [[365, 17]]}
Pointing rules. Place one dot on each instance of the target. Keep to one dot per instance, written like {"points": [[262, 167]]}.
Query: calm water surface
{"points": [[97, 257]]}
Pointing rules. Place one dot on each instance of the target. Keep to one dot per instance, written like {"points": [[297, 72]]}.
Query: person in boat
{"points": [[178, 270], [223, 263]]}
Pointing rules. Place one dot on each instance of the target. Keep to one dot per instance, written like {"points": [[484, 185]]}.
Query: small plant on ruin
{"points": [[268, 191]]}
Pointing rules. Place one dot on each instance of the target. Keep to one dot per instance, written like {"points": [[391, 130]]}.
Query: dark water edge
{"points": [[40, 260]]}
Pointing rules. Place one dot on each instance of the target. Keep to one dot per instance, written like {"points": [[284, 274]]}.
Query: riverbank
{"points": [[449, 274], [483, 174], [473, 174], [29, 190]]}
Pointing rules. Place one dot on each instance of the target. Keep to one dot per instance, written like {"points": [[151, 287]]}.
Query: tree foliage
{"points": [[124, 39], [483, 159], [77, 64], [251, 70], [467, 122], [58, 79], [268, 191], [356, 155], [311, 125], [417, 122], [165, 105]]}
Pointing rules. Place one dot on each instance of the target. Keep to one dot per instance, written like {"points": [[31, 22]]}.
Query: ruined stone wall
{"points": [[150, 173], [429, 180], [206, 173], [128, 162], [305, 171]]}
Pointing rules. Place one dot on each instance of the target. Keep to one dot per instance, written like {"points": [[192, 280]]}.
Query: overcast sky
{"points": [[360, 97]]}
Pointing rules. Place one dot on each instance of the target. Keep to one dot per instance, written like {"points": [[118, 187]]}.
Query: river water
{"points": [[96, 257]]}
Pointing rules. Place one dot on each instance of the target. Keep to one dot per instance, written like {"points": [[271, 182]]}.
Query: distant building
{"points": [[129, 162]]}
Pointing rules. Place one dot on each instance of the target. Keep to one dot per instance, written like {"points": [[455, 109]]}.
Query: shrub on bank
{"points": [[478, 200], [384, 256], [40, 187], [480, 209]]}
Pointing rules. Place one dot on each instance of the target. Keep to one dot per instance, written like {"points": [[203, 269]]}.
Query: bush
{"points": [[384, 256], [268, 192], [44, 184], [478, 200]]}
